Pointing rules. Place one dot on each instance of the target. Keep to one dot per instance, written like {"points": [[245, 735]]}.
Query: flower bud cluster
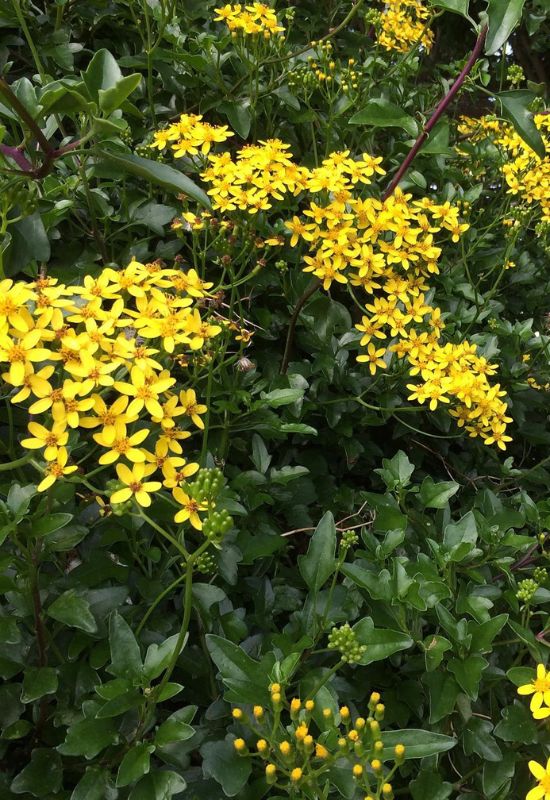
{"points": [[297, 743], [344, 639]]}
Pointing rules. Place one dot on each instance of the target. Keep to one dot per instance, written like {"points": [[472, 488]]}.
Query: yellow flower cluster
{"points": [[403, 24], [259, 173], [98, 358], [295, 758], [190, 136], [385, 248], [527, 175], [256, 18], [542, 790]]}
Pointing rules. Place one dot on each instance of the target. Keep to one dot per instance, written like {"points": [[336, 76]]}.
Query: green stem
{"points": [[32, 47], [164, 533]]}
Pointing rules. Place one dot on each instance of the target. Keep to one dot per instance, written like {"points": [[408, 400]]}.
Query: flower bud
{"points": [[357, 771], [240, 746], [321, 751], [296, 775], [258, 713], [270, 773], [237, 713]]}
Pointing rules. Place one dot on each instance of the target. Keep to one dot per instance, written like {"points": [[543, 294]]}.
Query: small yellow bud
{"points": [[357, 771], [285, 748], [308, 743], [237, 713], [344, 713], [239, 745], [309, 705], [258, 712], [301, 732], [387, 790], [379, 711], [327, 713], [374, 699], [353, 736], [275, 687], [262, 746], [360, 723], [296, 775], [295, 705], [321, 751], [378, 746], [376, 765], [271, 773], [399, 750], [374, 729], [276, 698], [351, 61], [342, 743]]}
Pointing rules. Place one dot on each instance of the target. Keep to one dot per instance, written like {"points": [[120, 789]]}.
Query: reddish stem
{"points": [[16, 155], [439, 111]]}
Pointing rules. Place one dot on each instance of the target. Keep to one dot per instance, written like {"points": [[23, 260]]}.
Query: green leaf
{"points": [[436, 495], [88, 738], [483, 635], [73, 610], [125, 654], [29, 243], [93, 785], [418, 743], [120, 704], [319, 563], [443, 690], [281, 397], [37, 682], [430, 786], [241, 674], [516, 725], [456, 6], [377, 583], [460, 537], [168, 178], [477, 738], [159, 785], [381, 642], [521, 675], [19, 498], [503, 16], [380, 113], [434, 648], [50, 523], [102, 72], [514, 107], [396, 472], [260, 457], [176, 728], [112, 98], [226, 766], [468, 673], [42, 776], [158, 656], [238, 115], [496, 778], [135, 764]]}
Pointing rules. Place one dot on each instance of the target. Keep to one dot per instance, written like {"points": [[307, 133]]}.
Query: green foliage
{"points": [[352, 542]]}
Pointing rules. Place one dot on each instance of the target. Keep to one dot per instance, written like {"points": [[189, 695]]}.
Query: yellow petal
{"points": [[121, 495], [124, 473], [537, 770]]}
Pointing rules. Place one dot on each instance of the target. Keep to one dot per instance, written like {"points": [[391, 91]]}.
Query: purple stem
{"points": [[438, 113], [16, 155]]}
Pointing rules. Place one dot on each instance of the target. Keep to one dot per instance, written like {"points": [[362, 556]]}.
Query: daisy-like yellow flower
{"points": [[146, 390], [373, 358], [19, 353], [56, 469], [108, 417], [35, 383], [190, 508], [52, 440], [539, 689], [192, 409], [542, 774], [135, 485], [122, 445]]}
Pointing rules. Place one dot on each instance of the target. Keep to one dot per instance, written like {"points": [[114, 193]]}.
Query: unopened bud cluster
{"points": [[344, 639], [298, 743]]}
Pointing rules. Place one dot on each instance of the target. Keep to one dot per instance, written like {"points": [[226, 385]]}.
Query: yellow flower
{"points": [[108, 417], [542, 774], [122, 444], [190, 509], [52, 440], [540, 688], [35, 383], [20, 353], [135, 487], [374, 358], [56, 469], [145, 389], [192, 409]]}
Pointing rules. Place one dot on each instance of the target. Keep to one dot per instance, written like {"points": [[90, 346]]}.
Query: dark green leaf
{"points": [[380, 113], [135, 764], [503, 18], [437, 495], [176, 728], [42, 776], [125, 655], [37, 682], [112, 98], [443, 690], [515, 108], [73, 610], [319, 563], [430, 786], [168, 178], [102, 72], [381, 642], [456, 6], [418, 743], [88, 738], [93, 785], [434, 648], [239, 672], [516, 725], [226, 766], [50, 523], [159, 785], [468, 673]]}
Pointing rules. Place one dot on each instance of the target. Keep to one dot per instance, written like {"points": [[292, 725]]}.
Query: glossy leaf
{"points": [[503, 18], [319, 563], [515, 108], [381, 113]]}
